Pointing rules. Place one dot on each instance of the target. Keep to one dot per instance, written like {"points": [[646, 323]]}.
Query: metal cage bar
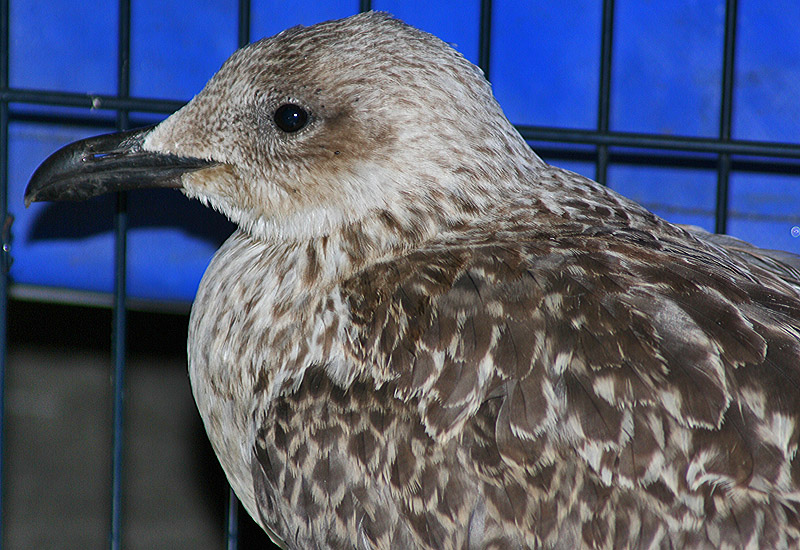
{"points": [[485, 37], [5, 237], [120, 312], [604, 88], [726, 116]]}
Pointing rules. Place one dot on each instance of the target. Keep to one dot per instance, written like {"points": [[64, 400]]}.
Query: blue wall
{"points": [[544, 69]]}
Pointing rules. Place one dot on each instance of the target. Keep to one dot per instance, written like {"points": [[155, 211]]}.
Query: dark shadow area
{"points": [[83, 327], [251, 536], [157, 353], [148, 208], [74, 220], [54, 326]]}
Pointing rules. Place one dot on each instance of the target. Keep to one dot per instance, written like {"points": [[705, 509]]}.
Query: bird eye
{"points": [[290, 117]]}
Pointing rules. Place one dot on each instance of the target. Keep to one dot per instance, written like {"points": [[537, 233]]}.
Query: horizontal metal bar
{"points": [[89, 101], [104, 122], [657, 141], [701, 161]]}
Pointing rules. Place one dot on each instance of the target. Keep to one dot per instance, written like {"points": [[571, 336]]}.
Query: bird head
{"points": [[312, 129]]}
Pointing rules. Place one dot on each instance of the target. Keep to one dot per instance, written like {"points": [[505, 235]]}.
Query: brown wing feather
{"points": [[660, 379]]}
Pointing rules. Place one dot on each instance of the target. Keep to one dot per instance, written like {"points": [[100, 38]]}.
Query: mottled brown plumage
{"points": [[423, 336]]}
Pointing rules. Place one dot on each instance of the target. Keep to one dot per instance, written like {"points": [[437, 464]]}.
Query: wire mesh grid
{"points": [[721, 153]]}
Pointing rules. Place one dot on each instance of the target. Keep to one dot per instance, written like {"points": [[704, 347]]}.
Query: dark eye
{"points": [[290, 117]]}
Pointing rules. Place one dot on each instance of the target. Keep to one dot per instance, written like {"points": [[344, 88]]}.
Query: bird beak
{"points": [[107, 163]]}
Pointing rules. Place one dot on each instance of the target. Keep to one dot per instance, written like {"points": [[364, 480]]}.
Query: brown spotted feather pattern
{"points": [[636, 371]]}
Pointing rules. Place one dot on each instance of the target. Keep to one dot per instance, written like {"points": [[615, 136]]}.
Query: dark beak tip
{"points": [[103, 164], [32, 196], [31, 192]]}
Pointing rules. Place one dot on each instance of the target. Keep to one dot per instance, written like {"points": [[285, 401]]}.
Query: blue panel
{"points": [[67, 46], [67, 244], [456, 22], [677, 194], [667, 67], [545, 61], [767, 94], [764, 210], [170, 243], [175, 50], [272, 16]]}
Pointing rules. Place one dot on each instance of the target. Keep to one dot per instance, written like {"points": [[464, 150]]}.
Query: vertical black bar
{"points": [[364, 5], [485, 37], [604, 91], [726, 116], [232, 522], [244, 23], [6, 236], [120, 314]]}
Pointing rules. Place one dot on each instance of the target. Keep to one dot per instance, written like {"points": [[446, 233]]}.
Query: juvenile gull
{"points": [[423, 336]]}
